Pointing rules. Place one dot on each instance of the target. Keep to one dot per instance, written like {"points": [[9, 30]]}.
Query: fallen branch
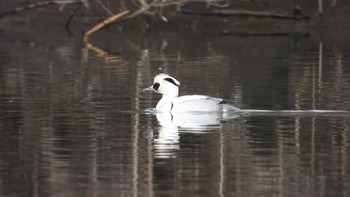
{"points": [[245, 13], [104, 23]]}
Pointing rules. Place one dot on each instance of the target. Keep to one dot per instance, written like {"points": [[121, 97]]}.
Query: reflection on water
{"points": [[170, 124], [64, 130], [166, 142]]}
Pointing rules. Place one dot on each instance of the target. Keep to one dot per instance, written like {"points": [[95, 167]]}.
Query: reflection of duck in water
{"points": [[167, 139], [171, 103], [193, 121], [166, 142]]}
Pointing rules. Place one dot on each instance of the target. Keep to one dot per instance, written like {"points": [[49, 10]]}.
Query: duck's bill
{"points": [[149, 89]]}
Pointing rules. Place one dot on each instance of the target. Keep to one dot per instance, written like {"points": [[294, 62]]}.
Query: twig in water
{"points": [[104, 7], [104, 23], [70, 18], [244, 13], [144, 8]]}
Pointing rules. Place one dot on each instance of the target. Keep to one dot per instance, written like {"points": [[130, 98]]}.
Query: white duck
{"points": [[170, 102]]}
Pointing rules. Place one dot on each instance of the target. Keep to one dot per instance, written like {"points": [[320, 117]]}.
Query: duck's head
{"points": [[165, 85]]}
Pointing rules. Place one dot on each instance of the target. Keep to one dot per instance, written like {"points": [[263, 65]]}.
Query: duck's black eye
{"points": [[156, 86], [171, 81]]}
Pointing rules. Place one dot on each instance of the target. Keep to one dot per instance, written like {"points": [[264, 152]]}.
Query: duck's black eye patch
{"points": [[156, 86], [171, 81]]}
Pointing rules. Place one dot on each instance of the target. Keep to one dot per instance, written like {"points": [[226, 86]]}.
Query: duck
{"points": [[170, 102]]}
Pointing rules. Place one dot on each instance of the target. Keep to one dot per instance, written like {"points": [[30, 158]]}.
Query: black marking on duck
{"points": [[156, 86], [171, 81], [172, 106], [222, 102]]}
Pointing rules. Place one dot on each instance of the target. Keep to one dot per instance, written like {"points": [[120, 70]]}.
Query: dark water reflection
{"points": [[70, 121]]}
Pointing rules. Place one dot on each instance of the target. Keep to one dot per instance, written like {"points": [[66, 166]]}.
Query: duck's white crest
{"points": [[170, 102]]}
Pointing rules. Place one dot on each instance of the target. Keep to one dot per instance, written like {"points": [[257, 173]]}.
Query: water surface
{"points": [[72, 120]]}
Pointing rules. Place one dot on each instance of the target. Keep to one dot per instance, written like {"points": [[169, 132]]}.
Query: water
{"points": [[72, 120]]}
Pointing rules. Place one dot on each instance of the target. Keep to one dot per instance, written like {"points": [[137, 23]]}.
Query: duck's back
{"points": [[199, 103]]}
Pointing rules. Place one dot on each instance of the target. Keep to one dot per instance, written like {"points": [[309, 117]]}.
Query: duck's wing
{"points": [[200, 103]]}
